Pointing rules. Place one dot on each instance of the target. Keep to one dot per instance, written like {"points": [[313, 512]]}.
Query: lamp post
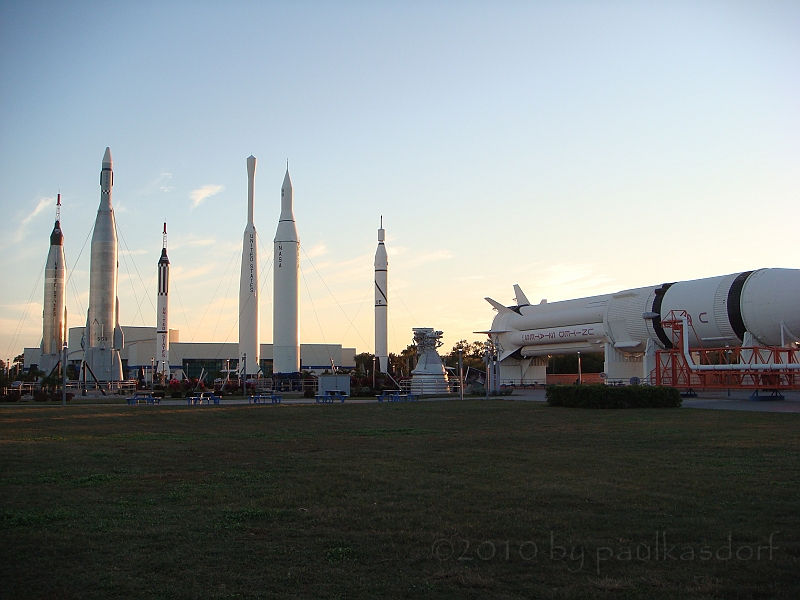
{"points": [[460, 375], [580, 375], [152, 374], [64, 375], [486, 358]]}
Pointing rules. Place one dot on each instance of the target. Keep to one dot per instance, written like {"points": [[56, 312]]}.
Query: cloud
{"points": [[164, 179], [204, 192], [317, 250], [422, 259], [192, 241], [43, 203]]}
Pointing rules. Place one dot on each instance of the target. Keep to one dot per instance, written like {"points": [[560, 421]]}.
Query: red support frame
{"points": [[673, 369]]}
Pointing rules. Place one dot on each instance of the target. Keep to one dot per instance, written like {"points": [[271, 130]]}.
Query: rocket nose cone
{"points": [[107, 160], [287, 181]]}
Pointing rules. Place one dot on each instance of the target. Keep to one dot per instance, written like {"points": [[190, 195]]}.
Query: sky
{"points": [[574, 148]]}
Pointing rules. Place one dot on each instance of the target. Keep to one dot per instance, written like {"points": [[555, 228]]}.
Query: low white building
{"points": [[190, 359]]}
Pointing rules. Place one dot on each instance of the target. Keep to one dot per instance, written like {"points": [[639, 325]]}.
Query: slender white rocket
{"points": [[249, 310], [162, 310], [55, 276], [381, 302], [103, 336], [285, 324]]}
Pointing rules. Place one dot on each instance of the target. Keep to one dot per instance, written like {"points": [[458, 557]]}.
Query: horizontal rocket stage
{"points": [[764, 303]]}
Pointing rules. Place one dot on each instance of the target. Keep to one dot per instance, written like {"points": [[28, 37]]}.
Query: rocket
{"points": [[55, 312], [285, 327], [381, 302], [751, 308], [249, 311], [162, 310], [103, 338]]}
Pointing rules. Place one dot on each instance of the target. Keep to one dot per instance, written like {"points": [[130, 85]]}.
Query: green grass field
{"points": [[451, 499]]}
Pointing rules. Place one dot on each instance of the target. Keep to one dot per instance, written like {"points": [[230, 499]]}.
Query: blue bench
{"points": [[209, 398], [397, 396], [263, 398], [330, 396], [143, 399]]}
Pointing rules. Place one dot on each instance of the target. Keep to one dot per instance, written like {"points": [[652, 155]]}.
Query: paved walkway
{"points": [[716, 399]]}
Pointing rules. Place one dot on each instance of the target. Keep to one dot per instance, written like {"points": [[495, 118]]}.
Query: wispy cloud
{"points": [[163, 182], [206, 191], [43, 203], [422, 259], [317, 250], [192, 241]]}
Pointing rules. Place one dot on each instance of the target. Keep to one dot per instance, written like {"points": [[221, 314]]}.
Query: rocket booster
{"points": [[285, 325], [381, 302], [249, 310], [162, 310], [55, 276], [750, 308], [103, 336]]}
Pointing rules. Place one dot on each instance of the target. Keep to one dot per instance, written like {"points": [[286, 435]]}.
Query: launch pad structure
{"points": [[740, 367]]}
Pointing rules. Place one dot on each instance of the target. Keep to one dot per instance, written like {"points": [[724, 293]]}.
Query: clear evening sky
{"points": [[575, 148]]}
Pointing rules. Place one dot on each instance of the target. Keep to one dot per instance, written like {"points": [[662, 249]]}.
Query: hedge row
{"points": [[607, 396]]}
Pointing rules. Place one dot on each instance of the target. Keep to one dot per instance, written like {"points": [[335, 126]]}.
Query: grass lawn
{"points": [[451, 499]]}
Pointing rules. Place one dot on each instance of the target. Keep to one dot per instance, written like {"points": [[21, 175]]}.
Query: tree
{"points": [[364, 363], [472, 355]]}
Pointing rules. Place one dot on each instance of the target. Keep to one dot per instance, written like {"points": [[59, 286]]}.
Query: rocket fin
{"points": [[119, 337], [522, 300], [503, 310]]}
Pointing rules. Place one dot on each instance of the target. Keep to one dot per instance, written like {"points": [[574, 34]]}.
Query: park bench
{"points": [[263, 398], [143, 398], [397, 396], [330, 396], [209, 397]]}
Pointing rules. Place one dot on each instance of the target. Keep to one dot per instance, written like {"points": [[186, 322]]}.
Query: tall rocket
{"points": [[162, 310], [381, 302], [55, 312], [285, 328], [249, 311], [103, 337]]}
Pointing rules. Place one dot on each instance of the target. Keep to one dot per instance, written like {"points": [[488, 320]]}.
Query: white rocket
{"points": [[760, 307], [55, 311], [285, 336], [249, 310], [381, 302], [103, 337], [162, 310]]}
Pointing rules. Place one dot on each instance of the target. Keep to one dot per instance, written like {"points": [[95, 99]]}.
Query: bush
{"points": [[606, 396], [308, 393]]}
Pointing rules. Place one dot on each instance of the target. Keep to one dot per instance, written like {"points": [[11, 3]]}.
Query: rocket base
{"points": [[102, 365]]}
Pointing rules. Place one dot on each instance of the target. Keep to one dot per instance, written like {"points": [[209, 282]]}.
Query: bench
{"points": [[143, 398], [262, 398], [195, 400], [397, 396], [330, 396]]}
